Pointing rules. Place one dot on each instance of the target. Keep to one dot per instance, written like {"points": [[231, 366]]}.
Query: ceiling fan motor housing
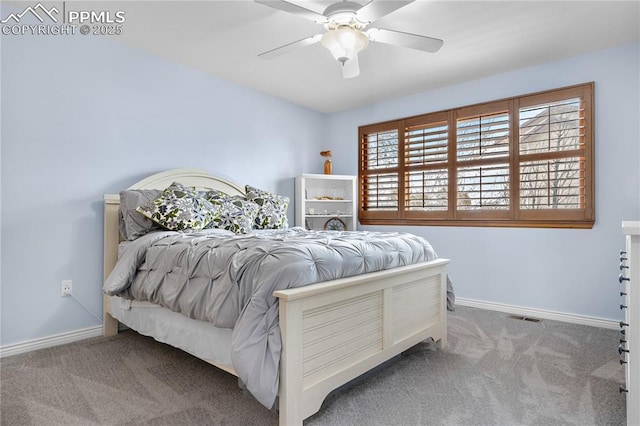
{"points": [[344, 13]]}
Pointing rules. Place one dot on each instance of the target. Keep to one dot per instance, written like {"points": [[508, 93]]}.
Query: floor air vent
{"points": [[521, 318]]}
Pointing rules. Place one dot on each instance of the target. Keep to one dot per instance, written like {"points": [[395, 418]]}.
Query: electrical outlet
{"points": [[65, 289]]}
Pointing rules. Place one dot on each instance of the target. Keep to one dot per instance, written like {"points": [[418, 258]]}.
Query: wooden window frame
{"points": [[514, 215]]}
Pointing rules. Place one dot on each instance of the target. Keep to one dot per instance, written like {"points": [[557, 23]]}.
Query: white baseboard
{"points": [[86, 333], [49, 341], [539, 313]]}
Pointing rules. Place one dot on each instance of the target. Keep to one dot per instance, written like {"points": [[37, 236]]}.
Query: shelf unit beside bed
{"points": [[326, 202], [406, 305]]}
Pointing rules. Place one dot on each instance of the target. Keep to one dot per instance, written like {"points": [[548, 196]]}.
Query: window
{"points": [[523, 161]]}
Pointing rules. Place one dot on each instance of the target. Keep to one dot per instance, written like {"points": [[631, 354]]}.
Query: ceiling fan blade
{"points": [[399, 38], [375, 10], [351, 68], [295, 9], [290, 47]]}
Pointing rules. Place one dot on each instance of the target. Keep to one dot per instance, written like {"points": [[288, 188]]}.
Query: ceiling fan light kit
{"points": [[344, 43], [344, 22]]}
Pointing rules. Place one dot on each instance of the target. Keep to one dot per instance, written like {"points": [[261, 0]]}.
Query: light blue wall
{"points": [[84, 116], [570, 271], [81, 116]]}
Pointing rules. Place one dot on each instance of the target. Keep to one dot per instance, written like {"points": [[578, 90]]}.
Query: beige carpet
{"points": [[496, 371]]}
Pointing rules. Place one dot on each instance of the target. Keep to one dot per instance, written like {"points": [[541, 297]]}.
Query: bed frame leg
{"points": [[109, 323], [291, 418], [442, 342], [290, 406]]}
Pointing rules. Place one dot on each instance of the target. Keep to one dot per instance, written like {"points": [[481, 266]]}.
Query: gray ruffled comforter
{"points": [[229, 280]]}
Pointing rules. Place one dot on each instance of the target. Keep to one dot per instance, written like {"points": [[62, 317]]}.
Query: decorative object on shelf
{"points": [[327, 198], [335, 224], [328, 166]]}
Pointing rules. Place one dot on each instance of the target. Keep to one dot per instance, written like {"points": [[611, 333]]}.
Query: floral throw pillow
{"points": [[235, 213], [273, 208], [179, 208]]}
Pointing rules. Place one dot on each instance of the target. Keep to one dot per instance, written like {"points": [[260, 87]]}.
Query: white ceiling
{"points": [[481, 38]]}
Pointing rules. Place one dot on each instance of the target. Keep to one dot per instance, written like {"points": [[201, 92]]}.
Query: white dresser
{"points": [[630, 343]]}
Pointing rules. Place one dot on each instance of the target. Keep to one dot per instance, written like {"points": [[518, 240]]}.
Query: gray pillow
{"points": [[133, 224], [272, 213]]}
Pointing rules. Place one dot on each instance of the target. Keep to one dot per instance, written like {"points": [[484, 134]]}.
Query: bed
{"points": [[321, 325]]}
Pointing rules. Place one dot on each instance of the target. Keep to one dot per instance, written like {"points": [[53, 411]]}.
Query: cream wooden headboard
{"points": [[197, 178]]}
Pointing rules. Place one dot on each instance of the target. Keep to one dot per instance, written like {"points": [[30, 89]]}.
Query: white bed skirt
{"points": [[196, 337]]}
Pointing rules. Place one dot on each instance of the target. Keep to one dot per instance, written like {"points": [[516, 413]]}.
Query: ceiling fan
{"points": [[345, 35]]}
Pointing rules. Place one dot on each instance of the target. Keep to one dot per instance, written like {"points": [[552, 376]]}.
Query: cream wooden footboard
{"points": [[331, 332]]}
